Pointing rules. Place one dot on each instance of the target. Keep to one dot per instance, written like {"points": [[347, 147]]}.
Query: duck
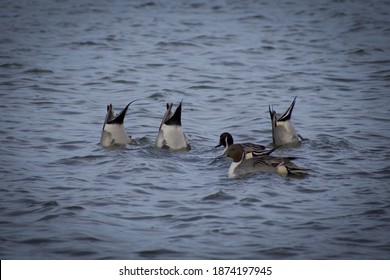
{"points": [[260, 163], [226, 140], [171, 135], [283, 131], [113, 132]]}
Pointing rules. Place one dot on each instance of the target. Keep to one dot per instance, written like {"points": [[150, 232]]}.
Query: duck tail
{"points": [[176, 118], [119, 119], [287, 115]]}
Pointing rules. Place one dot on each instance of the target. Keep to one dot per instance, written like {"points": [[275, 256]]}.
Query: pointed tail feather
{"points": [[295, 170], [264, 153], [176, 118], [287, 115], [119, 119]]}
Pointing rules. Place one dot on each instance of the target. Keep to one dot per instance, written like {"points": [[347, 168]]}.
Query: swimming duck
{"points": [[283, 132], [260, 163], [226, 140], [171, 134]]}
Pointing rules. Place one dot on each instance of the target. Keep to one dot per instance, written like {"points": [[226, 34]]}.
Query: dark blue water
{"points": [[62, 196]]}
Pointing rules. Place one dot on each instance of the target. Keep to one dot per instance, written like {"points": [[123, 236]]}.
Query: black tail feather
{"points": [[176, 118], [287, 115], [119, 119]]}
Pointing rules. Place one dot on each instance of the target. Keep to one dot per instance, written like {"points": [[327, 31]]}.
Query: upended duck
{"points": [[113, 132], [283, 132], [171, 135]]}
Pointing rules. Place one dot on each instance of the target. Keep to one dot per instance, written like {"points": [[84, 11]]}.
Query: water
{"points": [[65, 197]]}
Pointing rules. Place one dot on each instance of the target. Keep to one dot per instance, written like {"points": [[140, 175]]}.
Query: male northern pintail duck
{"points": [[226, 140], [113, 132], [170, 134], [283, 132], [260, 163]]}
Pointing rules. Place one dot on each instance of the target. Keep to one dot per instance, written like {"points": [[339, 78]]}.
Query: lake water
{"points": [[63, 196]]}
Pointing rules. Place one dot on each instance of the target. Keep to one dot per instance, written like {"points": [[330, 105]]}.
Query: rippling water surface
{"points": [[62, 196]]}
